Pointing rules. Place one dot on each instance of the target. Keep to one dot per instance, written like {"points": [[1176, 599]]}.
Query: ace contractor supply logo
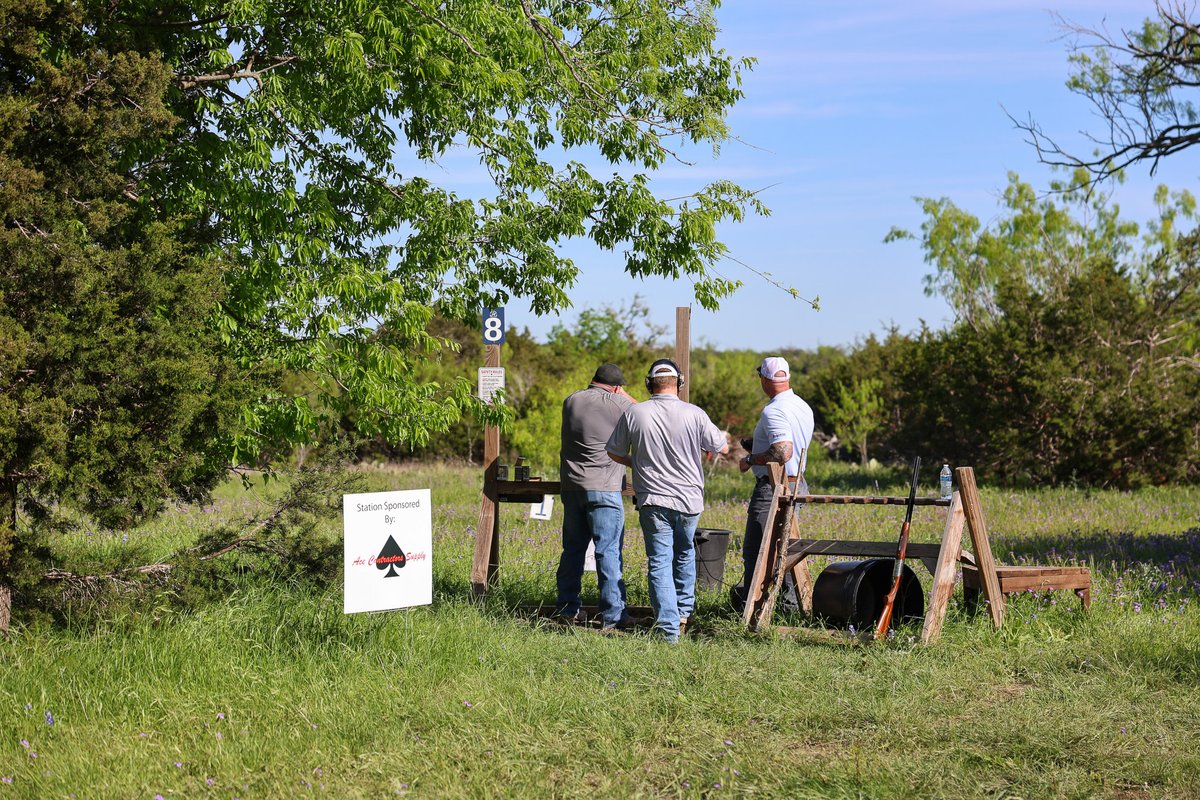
{"points": [[388, 539]]}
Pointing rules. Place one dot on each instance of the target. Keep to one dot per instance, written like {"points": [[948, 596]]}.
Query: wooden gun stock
{"points": [[885, 619]]}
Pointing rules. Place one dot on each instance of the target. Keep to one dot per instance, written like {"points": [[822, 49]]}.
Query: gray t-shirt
{"points": [[588, 418], [664, 437]]}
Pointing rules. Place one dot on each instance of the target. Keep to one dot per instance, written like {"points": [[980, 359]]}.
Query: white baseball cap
{"points": [[774, 368]]}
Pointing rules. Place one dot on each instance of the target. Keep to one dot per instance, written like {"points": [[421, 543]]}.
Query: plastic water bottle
{"points": [[944, 484]]}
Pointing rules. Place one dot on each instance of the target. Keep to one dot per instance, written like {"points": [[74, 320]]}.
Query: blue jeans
{"points": [[592, 517], [671, 559]]}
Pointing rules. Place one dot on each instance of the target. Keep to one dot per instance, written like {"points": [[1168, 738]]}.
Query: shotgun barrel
{"points": [[885, 619]]}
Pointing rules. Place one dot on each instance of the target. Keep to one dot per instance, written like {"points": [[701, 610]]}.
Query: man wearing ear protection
{"points": [[593, 509], [662, 440]]}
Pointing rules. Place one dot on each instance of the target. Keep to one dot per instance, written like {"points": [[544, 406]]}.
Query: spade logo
{"points": [[390, 557]]}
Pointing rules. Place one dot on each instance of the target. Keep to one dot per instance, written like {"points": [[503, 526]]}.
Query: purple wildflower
{"points": [[49, 718]]}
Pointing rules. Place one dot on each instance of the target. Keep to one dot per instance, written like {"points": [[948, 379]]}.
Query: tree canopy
{"points": [[299, 121], [199, 196]]}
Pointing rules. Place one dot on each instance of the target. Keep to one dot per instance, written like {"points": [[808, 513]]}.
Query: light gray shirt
{"points": [[588, 419], [663, 437], [787, 418]]}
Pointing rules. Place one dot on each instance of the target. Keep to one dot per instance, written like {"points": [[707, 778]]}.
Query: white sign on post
{"points": [[388, 550], [490, 379]]}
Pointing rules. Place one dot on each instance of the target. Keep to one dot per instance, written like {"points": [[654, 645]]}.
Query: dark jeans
{"points": [[756, 522]]}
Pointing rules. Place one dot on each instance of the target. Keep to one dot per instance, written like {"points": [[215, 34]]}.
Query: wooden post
{"points": [[8, 535], [756, 594], [683, 348], [487, 533], [943, 572], [973, 510]]}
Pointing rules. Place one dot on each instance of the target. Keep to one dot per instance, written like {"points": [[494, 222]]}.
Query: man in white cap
{"points": [[662, 439], [782, 436]]}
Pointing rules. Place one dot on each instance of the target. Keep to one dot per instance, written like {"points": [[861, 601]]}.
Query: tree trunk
{"points": [[862, 453], [8, 533]]}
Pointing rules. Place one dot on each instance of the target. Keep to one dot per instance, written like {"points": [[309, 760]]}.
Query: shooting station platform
{"points": [[784, 552]]}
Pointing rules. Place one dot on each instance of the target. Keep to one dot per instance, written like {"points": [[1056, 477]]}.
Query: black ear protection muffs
{"points": [[679, 380]]}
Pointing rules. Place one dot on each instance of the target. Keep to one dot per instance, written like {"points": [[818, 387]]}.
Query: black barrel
{"points": [[711, 546], [853, 592]]}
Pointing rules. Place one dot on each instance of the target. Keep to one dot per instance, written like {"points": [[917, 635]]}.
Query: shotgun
{"points": [[885, 619]]}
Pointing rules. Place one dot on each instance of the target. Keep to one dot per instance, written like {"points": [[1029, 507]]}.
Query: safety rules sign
{"points": [[388, 550], [490, 379]]}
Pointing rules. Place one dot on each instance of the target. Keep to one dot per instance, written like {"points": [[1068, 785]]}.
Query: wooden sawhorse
{"points": [[783, 552]]}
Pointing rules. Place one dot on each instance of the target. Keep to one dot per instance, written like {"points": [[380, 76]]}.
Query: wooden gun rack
{"points": [[783, 552]]}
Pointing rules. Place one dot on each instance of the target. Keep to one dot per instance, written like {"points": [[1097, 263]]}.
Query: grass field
{"points": [[274, 693]]}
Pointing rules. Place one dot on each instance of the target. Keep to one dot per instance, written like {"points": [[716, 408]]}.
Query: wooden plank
{"points": [[980, 543], [487, 533], [529, 488], [800, 548], [754, 588], [1038, 583], [868, 500], [683, 349], [1032, 569], [802, 575], [785, 528], [943, 572]]}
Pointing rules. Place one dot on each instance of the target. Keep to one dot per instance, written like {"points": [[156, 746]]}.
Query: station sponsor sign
{"points": [[388, 550]]}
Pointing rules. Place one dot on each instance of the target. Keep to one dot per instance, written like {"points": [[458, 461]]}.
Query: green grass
{"points": [[274, 693]]}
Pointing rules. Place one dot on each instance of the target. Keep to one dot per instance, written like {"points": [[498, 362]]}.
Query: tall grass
{"points": [[274, 693]]}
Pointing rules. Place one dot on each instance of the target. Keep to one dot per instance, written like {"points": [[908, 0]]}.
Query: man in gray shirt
{"points": [[593, 510], [662, 440]]}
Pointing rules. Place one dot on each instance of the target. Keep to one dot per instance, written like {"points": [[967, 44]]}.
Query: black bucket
{"points": [[711, 546], [853, 592]]}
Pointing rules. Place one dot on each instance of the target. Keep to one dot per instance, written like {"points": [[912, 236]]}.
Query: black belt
{"points": [[766, 478]]}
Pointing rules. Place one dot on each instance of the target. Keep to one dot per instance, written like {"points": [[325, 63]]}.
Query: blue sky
{"points": [[852, 111]]}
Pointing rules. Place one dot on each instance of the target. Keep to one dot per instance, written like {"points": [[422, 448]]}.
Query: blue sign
{"points": [[493, 325]]}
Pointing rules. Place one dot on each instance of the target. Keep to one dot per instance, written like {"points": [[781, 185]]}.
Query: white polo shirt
{"points": [[787, 418]]}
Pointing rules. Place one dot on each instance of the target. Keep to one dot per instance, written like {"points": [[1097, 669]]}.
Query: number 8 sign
{"points": [[493, 325]]}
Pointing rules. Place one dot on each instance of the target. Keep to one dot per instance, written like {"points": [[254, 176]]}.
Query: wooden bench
{"points": [[1014, 580]]}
